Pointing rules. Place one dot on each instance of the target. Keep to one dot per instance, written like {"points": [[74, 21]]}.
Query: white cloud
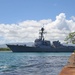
{"points": [[73, 18], [27, 31]]}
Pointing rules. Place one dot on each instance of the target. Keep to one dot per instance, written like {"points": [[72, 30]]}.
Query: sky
{"points": [[21, 20]]}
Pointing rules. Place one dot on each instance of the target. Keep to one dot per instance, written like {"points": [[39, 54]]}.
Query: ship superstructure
{"points": [[41, 42]]}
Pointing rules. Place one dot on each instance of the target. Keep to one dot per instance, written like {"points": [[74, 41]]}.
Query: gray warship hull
{"points": [[42, 45], [16, 48]]}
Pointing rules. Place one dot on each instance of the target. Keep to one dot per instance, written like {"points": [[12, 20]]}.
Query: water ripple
{"points": [[32, 64]]}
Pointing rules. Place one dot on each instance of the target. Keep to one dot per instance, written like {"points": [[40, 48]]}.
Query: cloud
{"points": [[28, 31], [73, 18]]}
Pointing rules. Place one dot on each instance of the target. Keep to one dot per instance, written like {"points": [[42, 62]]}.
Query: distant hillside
{"points": [[3, 46], [68, 44], [30, 44]]}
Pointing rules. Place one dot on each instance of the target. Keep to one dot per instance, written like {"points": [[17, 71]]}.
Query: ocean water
{"points": [[32, 63]]}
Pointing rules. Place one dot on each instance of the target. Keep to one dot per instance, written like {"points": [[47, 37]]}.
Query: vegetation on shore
{"points": [[5, 49], [70, 38]]}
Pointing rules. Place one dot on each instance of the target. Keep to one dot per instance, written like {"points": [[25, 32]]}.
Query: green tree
{"points": [[70, 38]]}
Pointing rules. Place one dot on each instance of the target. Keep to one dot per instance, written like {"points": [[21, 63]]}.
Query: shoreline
{"points": [[5, 49]]}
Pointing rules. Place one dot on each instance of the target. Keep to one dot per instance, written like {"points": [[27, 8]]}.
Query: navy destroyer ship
{"points": [[42, 45]]}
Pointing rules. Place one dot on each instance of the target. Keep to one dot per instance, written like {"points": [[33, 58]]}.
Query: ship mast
{"points": [[41, 33]]}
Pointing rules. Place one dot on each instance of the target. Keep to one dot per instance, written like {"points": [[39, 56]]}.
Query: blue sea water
{"points": [[32, 63]]}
